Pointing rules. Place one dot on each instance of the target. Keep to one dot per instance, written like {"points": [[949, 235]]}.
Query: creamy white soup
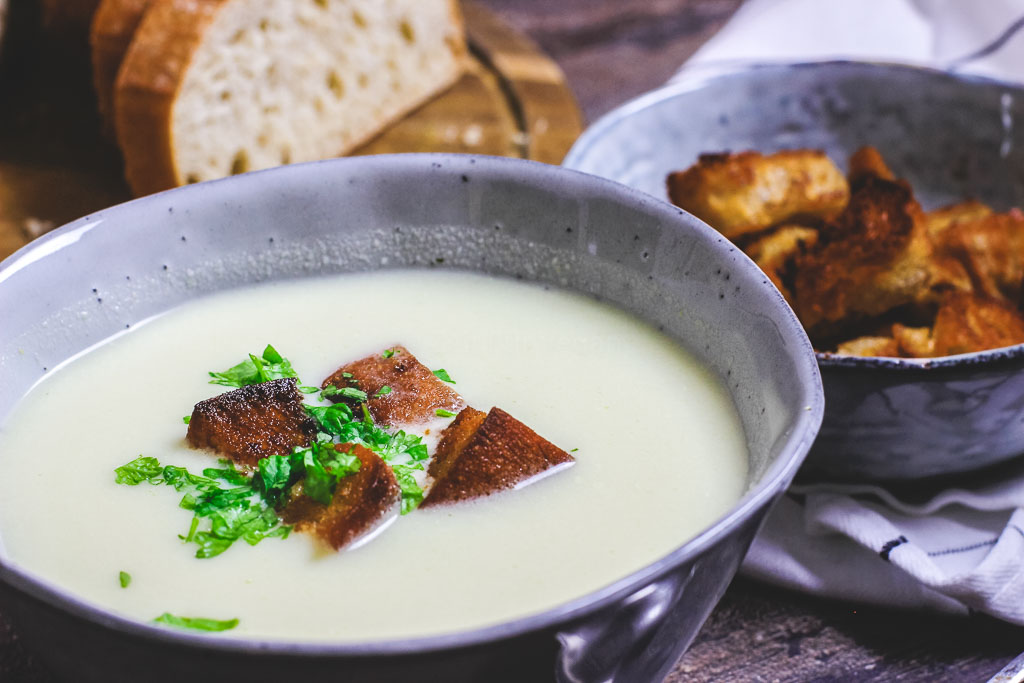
{"points": [[660, 453]]}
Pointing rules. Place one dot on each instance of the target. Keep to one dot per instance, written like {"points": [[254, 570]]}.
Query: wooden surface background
{"points": [[612, 50]]}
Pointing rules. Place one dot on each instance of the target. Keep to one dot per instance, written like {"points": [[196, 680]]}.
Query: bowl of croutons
{"points": [[884, 203]]}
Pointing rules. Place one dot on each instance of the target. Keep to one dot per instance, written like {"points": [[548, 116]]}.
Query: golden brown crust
{"points": [[415, 396], [876, 257], [501, 453], [113, 26], [252, 422], [740, 194], [151, 74], [991, 247], [941, 219], [776, 252], [869, 346], [360, 502], [967, 322], [868, 162]]}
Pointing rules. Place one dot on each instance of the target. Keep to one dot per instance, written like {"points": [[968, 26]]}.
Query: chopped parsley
{"points": [[443, 375], [124, 578], [228, 505], [441, 412], [357, 395], [226, 512], [196, 623], [389, 353], [272, 365], [186, 419]]}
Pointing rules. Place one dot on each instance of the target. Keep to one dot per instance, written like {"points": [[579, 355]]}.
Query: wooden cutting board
{"points": [[55, 165]]}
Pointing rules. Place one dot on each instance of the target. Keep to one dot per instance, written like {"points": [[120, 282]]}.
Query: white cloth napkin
{"points": [[953, 550]]}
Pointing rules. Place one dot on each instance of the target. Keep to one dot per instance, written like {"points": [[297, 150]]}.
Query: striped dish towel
{"points": [[953, 550], [957, 550]]}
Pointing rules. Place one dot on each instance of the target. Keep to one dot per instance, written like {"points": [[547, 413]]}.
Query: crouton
{"points": [[940, 219], [252, 422], [914, 342], [875, 258], [869, 346], [739, 194], [361, 501], [775, 253], [867, 162], [415, 392], [967, 322], [482, 454], [991, 247]]}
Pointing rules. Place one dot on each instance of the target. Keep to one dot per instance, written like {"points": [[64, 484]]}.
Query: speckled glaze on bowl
{"points": [[500, 216], [952, 137]]}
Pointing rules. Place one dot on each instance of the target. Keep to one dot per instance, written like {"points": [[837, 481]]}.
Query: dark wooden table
{"points": [[612, 50]]}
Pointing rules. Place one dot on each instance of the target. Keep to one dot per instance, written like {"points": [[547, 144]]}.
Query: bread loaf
{"points": [[209, 88], [113, 26]]}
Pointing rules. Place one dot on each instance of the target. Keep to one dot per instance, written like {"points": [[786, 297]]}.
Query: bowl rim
{"points": [[796, 441], [702, 75]]}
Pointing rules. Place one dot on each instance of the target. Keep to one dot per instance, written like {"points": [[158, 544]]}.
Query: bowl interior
{"points": [[952, 137], [498, 216]]}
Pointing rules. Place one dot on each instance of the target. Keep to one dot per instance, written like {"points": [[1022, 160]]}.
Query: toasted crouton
{"points": [[482, 454], [992, 249], [415, 393], [775, 252], [967, 322], [360, 502], [915, 342], [252, 422], [869, 346], [739, 194], [868, 162], [877, 257], [940, 219]]}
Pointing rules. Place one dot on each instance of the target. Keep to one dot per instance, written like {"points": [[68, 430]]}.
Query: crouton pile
{"points": [[478, 454], [867, 270]]}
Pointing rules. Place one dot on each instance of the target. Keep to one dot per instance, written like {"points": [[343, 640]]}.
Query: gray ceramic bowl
{"points": [[952, 137], [499, 216]]}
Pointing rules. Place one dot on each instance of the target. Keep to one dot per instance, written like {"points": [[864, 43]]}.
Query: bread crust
{"points": [[253, 422], [149, 79], [113, 27], [155, 67], [414, 395], [479, 455]]}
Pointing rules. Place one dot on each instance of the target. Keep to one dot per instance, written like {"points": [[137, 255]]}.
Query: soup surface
{"points": [[660, 455]]}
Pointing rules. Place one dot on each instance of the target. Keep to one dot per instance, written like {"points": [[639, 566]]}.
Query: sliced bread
{"points": [[113, 26], [209, 88]]}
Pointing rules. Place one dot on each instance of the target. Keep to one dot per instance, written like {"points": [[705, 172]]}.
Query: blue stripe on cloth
{"points": [[890, 545]]}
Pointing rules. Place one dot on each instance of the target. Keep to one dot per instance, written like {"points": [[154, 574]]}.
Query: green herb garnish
{"points": [[186, 419], [124, 578], [443, 375], [228, 513], [383, 391], [357, 395], [388, 353], [196, 623], [441, 412], [256, 370]]}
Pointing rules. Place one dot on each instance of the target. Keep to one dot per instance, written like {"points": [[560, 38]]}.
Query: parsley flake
{"points": [[383, 391], [124, 578], [441, 412], [255, 370], [196, 623], [389, 353], [443, 375]]}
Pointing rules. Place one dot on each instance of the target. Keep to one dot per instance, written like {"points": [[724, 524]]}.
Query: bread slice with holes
{"points": [[209, 88]]}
